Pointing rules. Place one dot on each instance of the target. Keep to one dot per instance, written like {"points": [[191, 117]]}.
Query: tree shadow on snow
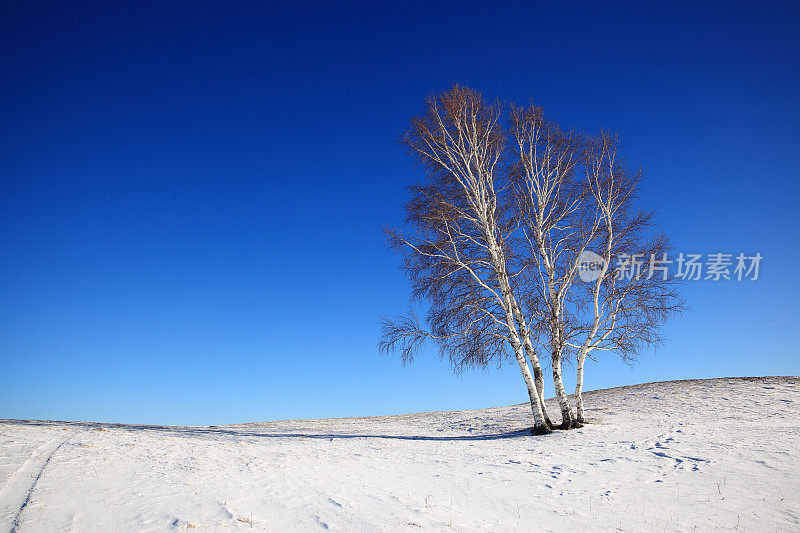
{"points": [[214, 431]]}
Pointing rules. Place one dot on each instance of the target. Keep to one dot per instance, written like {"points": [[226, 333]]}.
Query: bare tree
{"points": [[456, 250], [497, 239], [575, 197], [553, 208], [632, 295]]}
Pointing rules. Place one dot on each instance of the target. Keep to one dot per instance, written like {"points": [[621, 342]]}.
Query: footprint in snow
{"points": [[665, 456]]}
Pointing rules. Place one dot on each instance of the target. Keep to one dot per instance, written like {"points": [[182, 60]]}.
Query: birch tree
{"points": [[553, 207], [497, 236], [456, 248], [624, 307], [576, 195]]}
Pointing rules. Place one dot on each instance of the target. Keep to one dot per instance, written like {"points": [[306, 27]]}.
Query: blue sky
{"points": [[191, 194]]}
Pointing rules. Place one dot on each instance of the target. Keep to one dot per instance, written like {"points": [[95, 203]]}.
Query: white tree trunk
{"points": [[537, 367], [539, 379], [579, 389], [540, 426], [567, 419]]}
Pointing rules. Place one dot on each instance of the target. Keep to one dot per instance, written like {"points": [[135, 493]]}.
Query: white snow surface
{"points": [[681, 455]]}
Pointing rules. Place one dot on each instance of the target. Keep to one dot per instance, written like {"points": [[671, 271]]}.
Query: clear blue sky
{"points": [[191, 194]]}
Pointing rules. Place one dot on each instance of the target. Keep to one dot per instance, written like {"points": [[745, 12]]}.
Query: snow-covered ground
{"points": [[705, 454]]}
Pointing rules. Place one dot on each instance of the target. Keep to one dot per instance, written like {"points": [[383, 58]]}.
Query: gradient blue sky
{"points": [[191, 192]]}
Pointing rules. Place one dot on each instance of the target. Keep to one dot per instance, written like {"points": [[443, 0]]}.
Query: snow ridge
{"points": [[714, 454]]}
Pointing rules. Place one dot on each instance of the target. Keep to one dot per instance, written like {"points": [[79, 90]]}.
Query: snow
{"points": [[707, 454]]}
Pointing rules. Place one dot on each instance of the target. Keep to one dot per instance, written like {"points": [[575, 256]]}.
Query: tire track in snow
{"points": [[16, 494]]}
